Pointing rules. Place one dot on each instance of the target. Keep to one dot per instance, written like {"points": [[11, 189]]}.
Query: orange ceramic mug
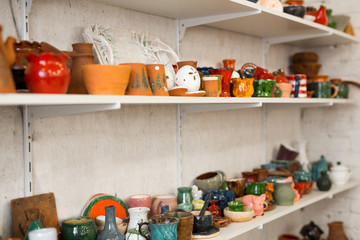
{"points": [[243, 87]]}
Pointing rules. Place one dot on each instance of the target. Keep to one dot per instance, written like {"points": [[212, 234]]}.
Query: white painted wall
{"points": [[132, 150]]}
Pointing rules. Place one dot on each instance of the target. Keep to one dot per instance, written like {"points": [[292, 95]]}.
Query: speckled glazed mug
{"points": [[210, 180]]}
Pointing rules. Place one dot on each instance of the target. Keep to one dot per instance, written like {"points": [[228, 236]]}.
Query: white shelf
{"points": [[272, 25], [236, 229]]}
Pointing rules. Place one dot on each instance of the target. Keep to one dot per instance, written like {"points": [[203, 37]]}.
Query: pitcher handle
{"points": [[247, 65], [140, 225], [222, 175], [335, 90]]}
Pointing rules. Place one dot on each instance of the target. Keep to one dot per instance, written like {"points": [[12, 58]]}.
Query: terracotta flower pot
{"points": [[139, 82], [106, 79], [157, 79]]}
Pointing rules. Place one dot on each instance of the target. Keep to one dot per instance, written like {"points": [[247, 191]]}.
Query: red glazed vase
{"points": [[225, 83], [321, 17], [215, 210], [47, 73]]}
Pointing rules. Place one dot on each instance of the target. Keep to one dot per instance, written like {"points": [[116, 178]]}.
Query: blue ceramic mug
{"points": [[161, 228]]}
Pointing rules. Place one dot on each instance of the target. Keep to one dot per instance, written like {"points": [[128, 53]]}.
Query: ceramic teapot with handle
{"points": [[317, 167], [339, 174]]}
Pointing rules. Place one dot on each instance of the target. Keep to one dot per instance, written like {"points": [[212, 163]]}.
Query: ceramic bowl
{"points": [[305, 57], [296, 10], [209, 181], [244, 216], [79, 228], [304, 187], [236, 206]]}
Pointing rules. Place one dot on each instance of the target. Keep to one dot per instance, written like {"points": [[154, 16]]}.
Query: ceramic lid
{"points": [[339, 168]]}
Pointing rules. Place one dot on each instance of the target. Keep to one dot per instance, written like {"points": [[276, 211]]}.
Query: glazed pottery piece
{"points": [[317, 167], [256, 188], [323, 183], [243, 87], [269, 166], [106, 79], [250, 70], [302, 176], [264, 88], [44, 234], [336, 231], [22, 49], [164, 199], [215, 210], [185, 226], [184, 198], [204, 70], [304, 187], [284, 195], [222, 197], [236, 185], [77, 84], [111, 231], [138, 215], [343, 90], [35, 224], [250, 176], [139, 81], [243, 216], [288, 237], [7, 59], [198, 204], [299, 87], [225, 82], [262, 174], [188, 77], [196, 193], [323, 89], [140, 200], [255, 202], [321, 16], [229, 63], [311, 231], [269, 194], [96, 206], [157, 79], [79, 229], [189, 63], [236, 206], [210, 180], [202, 223], [210, 86], [161, 228], [47, 73], [286, 153], [178, 91], [286, 89], [100, 224], [339, 174]]}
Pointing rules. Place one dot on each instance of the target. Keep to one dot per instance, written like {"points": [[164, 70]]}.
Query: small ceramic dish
{"points": [[195, 94], [244, 216], [178, 91]]}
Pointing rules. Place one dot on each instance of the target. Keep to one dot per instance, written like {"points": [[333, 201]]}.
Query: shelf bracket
{"points": [[25, 12], [31, 113], [192, 22], [198, 108], [285, 39]]}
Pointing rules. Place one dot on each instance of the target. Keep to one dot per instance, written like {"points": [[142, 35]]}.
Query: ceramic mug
{"points": [[299, 88], [140, 200], [323, 89], [202, 223], [161, 228], [169, 200], [243, 87], [210, 86], [256, 188], [210, 180], [43, 234], [236, 185], [185, 226]]}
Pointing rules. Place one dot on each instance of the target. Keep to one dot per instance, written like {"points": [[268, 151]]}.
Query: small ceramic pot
{"points": [[243, 87], [324, 182], [284, 195], [210, 180], [106, 79], [244, 216], [299, 87], [169, 200], [302, 176], [80, 229], [184, 63], [339, 174], [262, 174], [204, 223], [139, 82], [236, 206], [44, 234], [185, 226], [264, 88], [161, 228], [140, 200], [198, 204], [229, 63], [188, 77], [304, 187], [210, 86], [286, 89], [336, 231], [256, 188], [157, 79], [236, 185]]}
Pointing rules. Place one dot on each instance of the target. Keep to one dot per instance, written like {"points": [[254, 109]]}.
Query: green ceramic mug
{"points": [[323, 89], [256, 188]]}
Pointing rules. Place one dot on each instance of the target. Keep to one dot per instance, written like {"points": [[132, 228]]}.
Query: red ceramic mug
{"points": [[140, 200]]}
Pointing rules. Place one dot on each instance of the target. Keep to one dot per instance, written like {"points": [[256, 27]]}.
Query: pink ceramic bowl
{"points": [[285, 88]]}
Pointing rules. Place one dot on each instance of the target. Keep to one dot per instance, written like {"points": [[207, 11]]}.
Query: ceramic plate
{"points": [[195, 94], [178, 91], [96, 206]]}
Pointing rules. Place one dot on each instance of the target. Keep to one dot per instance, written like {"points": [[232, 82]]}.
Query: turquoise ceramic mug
{"points": [[161, 228]]}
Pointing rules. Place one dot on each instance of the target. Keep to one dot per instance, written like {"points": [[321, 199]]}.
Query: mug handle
{"points": [[335, 90], [247, 65], [140, 225], [222, 175]]}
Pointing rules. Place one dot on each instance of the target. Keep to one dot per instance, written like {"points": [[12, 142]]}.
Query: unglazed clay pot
{"points": [[157, 79], [7, 59], [106, 79], [83, 48], [139, 82], [77, 84], [336, 231], [47, 73], [164, 200]]}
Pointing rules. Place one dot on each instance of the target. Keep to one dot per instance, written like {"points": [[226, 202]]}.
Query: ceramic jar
{"points": [[139, 82], [184, 198], [339, 174], [210, 180], [44, 234], [138, 215], [210, 86], [243, 87], [284, 195], [47, 73], [79, 229], [157, 79], [162, 200], [111, 231], [323, 183], [140, 200], [161, 228], [7, 59], [185, 226], [336, 231]]}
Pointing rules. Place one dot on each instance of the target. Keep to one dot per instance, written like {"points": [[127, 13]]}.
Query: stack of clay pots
{"points": [[305, 63]]}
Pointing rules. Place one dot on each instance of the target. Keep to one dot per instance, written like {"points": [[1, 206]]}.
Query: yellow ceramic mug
{"points": [[243, 87]]}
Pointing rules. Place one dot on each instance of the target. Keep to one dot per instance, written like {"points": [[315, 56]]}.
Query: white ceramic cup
{"points": [[43, 234]]}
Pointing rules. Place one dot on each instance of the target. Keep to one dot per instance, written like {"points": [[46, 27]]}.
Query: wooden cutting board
{"points": [[25, 210]]}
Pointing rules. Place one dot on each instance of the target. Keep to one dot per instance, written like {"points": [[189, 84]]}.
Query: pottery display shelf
{"points": [[236, 229], [240, 16]]}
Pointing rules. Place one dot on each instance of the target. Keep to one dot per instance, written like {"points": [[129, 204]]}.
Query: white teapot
{"points": [[339, 174]]}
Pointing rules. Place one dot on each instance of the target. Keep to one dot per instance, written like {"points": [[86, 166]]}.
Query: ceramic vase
{"points": [[184, 198], [284, 195], [225, 83], [324, 182], [7, 59], [137, 215], [47, 73], [77, 84], [157, 79], [79, 229], [229, 63], [139, 82], [111, 231], [336, 231], [22, 49]]}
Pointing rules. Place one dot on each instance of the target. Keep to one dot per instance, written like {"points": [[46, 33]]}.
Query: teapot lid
{"points": [[339, 167]]}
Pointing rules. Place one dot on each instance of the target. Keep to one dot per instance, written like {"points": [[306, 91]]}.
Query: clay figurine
{"points": [[256, 202]]}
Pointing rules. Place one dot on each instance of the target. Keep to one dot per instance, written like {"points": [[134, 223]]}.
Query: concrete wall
{"points": [[133, 150]]}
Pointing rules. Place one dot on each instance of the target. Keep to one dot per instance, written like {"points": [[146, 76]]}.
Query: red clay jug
{"points": [[47, 73]]}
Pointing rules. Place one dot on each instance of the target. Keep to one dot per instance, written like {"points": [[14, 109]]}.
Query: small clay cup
{"points": [[183, 63], [140, 200], [185, 226], [236, 185], [157, 79], [139, 81], [204, 223], [106, 79], [210, 86]]}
